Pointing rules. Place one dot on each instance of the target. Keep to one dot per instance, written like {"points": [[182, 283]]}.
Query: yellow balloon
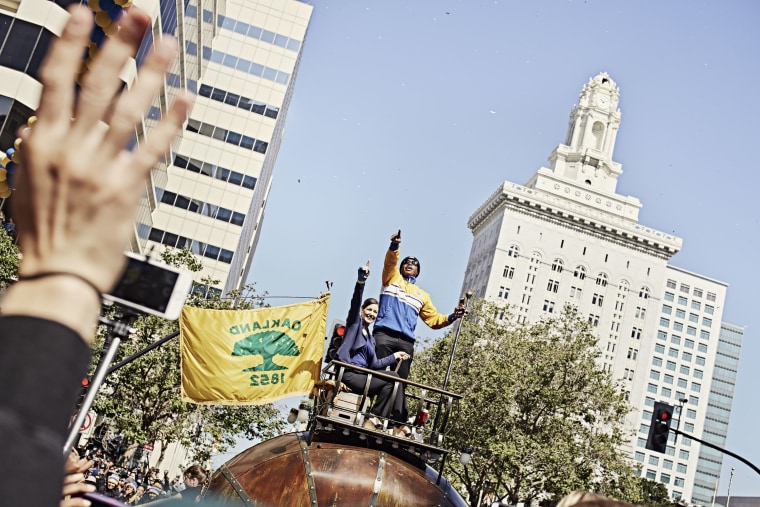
{"points": [[112, 30], [4, 194], [102, 19], [3, 174]]}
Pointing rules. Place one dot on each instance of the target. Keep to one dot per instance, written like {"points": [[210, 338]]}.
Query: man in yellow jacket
{"points": [[401, 302]]}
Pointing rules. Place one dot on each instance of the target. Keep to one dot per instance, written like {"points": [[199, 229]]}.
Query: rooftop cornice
{"points": [[577, 216]]}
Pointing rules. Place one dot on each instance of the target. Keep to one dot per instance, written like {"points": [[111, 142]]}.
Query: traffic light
{"points": [[83, 392], [659, 428], [336, 339]]}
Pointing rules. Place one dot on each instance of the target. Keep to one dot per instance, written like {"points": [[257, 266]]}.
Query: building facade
{"points": [[241, 59], [568, 237]]}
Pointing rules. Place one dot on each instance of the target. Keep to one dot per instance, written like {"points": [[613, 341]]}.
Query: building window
{"points": [[668, 379], [697, 293], [503, 292], [654, 460], [669, 296], [682, 300], [553, 286], [698, 373], [633, 353], [685, 288], [667, 309], [693, 317], [662, 335], [711, 297], [670, 365], [665, 478], [558, 265], [666, 392], [580, 273], [702, 348], [696, 387], [677, 326], [667, 464], [636, 333], [680, 314], [700, 361], [684, 369], [654, 374], [639, 456], [659, 348], [640, 312], [696, 305], [644, 293], [601, 279], [705, 335], [709, 309], [514, 251], [548, 306], [509, 272], [671, 284], [597, 299], [686, 356], [652, 388], [683, 454], [593, 319], [707, 322], [664, 322]]}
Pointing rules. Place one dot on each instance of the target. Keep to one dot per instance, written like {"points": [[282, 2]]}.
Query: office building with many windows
{"points": [[567, 236], [241, 59]]}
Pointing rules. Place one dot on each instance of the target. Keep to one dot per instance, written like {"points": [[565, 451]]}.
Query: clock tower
{"points": [[582, 167], [586, 155]]}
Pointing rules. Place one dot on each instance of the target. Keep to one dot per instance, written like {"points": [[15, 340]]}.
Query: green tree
{"points": [[142, 401], [8, 260], [542, 417]]}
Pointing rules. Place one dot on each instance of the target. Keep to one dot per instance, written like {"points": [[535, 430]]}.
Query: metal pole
{"points": [[466, 301], [118, 330], [730, 480]]}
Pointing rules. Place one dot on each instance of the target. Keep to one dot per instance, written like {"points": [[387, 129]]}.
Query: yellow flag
{"points": [[251, 357]]}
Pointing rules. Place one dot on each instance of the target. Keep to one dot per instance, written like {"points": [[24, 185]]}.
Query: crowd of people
{"points": [[9, 226]]}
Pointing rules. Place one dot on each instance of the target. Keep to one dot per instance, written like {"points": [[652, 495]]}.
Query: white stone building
{"points": [[568, 236]]}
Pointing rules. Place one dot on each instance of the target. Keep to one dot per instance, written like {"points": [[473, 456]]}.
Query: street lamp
{"points": [[682, 402], [466, 456]]}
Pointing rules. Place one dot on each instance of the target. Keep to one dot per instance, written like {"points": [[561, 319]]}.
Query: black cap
{"points": [[411, 260]]}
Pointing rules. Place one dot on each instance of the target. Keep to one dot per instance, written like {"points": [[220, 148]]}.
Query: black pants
{"points": [[388, 341], [383, 391]]}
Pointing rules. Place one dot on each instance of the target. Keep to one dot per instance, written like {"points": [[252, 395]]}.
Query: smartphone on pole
{"points": [[151, 287]]}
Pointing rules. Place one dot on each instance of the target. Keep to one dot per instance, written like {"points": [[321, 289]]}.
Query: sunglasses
{"points": [[413, 262]]}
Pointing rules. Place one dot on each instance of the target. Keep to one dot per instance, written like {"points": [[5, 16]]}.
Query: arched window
{"points": [[580, 272], [598, 132], [514, 251], [644, 293], [624, 286], [558, 265], [535, 258], [601, 279]]}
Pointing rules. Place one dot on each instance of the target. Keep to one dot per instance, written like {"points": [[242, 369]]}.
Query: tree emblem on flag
{"points": [[266, 344]]}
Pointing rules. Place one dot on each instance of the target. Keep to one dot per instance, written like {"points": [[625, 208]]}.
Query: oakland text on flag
{"points": [[251, 357]]}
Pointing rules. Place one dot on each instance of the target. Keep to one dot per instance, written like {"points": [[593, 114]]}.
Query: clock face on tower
{"points": [[602, 100]]}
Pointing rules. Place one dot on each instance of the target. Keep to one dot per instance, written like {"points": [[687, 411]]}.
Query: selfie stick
{"points": [[118, 330], [466, 301]]}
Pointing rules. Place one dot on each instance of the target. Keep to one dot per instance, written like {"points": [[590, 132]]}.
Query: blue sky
{"points": [[409, 114]]}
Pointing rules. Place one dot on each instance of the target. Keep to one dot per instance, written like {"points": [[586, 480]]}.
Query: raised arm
{"points": [[354, 312], [390, 266]]}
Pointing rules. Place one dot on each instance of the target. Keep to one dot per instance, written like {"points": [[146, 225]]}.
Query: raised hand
{"points": [[396, 237]]}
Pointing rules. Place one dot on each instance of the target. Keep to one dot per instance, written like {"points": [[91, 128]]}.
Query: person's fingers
{"points": [[73, 478], [61, 66], [75, 502], [133, 104], [84, 465], [161, 136], [102, 81]]}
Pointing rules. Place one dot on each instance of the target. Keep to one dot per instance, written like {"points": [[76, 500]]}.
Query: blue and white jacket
{"points": [[402, 301]]}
